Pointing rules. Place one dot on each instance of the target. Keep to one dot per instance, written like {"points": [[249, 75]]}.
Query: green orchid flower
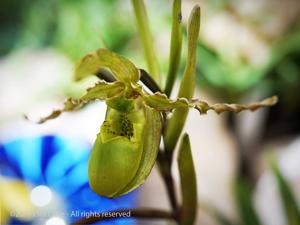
{"points": [[127, 145], [126, 148]]}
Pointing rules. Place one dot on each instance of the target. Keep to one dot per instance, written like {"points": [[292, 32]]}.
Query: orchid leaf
{"points": [[222, 219], [187, 85], [243, 198], [100, 91], [103, 59], [175, 47], [163, 103], [146, 39], [188, 182], [289, 201]]}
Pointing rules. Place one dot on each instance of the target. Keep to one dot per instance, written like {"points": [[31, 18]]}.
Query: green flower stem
{"points": [[146, 38], [175, 47], [288, 199], [187, 86], [244, 200], [165, 171]]}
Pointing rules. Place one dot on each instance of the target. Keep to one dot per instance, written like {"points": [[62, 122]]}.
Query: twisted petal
{"points": [[100, 91], [203, 107], [162, 103]]}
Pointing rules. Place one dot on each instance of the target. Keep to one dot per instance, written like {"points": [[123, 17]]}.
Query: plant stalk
{"points": [[165, 171]]}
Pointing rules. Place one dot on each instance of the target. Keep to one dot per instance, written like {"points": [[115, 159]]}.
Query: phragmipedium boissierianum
{"points": [[126, 148], [127, 145]]}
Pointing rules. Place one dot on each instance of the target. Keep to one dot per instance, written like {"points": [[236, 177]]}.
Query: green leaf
{"points": [[122, 69], [223, 220], [188, 182], [220, 217], [147, 39], [292, 211], [187, 86], [100, 91], [175, 48], [163, 103], [244, 202]]}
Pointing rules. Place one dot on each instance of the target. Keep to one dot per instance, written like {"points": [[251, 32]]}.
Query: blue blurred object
{"points": [[60, 164]]}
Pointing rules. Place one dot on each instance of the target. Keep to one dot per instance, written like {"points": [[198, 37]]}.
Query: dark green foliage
{"points": [[244, 203], [288, 199]]}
